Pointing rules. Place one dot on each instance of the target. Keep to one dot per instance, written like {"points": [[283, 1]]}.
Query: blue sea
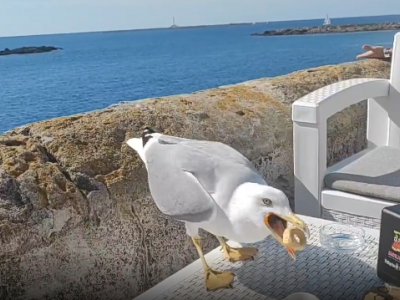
{"points": [[96, 70]]}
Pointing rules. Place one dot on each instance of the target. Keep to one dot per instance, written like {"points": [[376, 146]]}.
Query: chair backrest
{"points": [[383, 125]]}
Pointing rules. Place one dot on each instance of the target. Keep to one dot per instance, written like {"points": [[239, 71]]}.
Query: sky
{"points": [[29, 17]]}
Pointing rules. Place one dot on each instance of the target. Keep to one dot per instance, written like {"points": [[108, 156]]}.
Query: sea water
{"points": [[96, 70]]}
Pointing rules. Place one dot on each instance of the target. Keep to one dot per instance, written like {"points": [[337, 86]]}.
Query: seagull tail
{"points": [[136, 144]]}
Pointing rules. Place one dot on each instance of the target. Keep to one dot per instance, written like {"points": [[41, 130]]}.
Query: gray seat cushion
{"points": [[376, 174]]}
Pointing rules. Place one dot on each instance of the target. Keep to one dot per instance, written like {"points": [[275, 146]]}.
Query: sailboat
{"points": [[327, 21], [173, 23]]}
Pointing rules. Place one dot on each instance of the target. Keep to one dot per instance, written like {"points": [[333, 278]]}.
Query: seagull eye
{"points": [[267, 202]]}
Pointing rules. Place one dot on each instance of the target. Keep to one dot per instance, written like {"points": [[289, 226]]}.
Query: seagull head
{"points": [[269, 207]]}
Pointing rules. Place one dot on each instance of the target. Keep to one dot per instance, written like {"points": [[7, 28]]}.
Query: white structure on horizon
{"points": [[327, 21], [173, 23]]}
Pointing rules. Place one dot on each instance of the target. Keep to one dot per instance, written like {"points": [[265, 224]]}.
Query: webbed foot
{"points": [[216, 280], [239, 254]]}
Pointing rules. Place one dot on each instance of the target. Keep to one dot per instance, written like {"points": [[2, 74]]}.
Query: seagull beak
{"points": [[297, 222], [278, 223]]}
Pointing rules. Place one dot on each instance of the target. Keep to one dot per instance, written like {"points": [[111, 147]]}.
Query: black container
{"points": [[389, 246]]}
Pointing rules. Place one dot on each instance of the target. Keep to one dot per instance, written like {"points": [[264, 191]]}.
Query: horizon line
{"points": [[186, 26]]}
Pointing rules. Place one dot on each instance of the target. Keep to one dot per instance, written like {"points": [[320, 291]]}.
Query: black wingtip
{"points": [[148, 130], [147, 134]]}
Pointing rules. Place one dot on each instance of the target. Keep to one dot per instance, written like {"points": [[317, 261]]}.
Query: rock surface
{"points": [[28, 50], [76, 217], [331, 29]]}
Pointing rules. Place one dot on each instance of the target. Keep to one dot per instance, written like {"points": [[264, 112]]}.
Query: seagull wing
{"points": [[175, 189], [188, 177]]}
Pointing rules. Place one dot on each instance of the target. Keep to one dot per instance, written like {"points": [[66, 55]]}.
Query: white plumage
{"points": [[210, 185]]}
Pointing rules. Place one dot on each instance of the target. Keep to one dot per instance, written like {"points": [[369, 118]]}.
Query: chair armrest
{"points": [[319, 105]]}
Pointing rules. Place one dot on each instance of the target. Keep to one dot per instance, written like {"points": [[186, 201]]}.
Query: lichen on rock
{"points": [[76, 217]]}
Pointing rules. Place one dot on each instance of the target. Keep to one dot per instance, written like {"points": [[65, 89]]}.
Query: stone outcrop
{"points": [[28, 50], [331, 29], [76, 217]]}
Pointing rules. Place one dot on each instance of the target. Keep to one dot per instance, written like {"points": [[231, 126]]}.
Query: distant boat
{"points": [[173, 23], [327, 21]]}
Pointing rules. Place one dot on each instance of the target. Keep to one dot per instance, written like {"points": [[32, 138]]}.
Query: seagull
{"points": [[210, 185]]}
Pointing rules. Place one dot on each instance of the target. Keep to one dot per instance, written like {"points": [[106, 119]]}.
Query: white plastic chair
{"points": [[356, 189]]}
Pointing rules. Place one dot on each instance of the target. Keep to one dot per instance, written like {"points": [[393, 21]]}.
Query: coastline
{"points": [[28, 50], [199, 26], [330, 29], [189, 27]]}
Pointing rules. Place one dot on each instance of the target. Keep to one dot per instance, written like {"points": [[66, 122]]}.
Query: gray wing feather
{"points": [[176, 191], [167, 139], [185, 174], [212, 162]]}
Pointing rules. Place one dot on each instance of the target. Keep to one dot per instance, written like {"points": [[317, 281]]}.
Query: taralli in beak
{"points": [[289, 238], [290, 231]]}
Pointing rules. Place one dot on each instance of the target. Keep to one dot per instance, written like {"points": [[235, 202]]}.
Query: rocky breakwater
{"points": [[331, 29], [28, 50], [76, 217]]}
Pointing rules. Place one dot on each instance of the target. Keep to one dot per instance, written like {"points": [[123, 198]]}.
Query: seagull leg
{"points": [[214, 279], [237, 254]]}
